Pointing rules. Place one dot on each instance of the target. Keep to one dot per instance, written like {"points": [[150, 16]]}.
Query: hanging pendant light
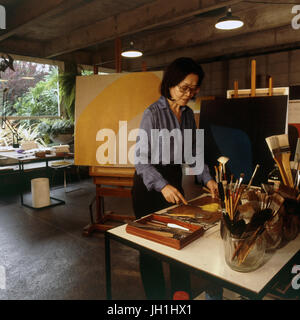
{"points": [[229, 22], [131, 52]]}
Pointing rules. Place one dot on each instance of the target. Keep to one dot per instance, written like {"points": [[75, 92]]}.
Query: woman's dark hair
{"points": [[177, 71]]}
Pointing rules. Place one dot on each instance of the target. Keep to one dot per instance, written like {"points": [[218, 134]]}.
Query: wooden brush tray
{"points": [[162, 238]]}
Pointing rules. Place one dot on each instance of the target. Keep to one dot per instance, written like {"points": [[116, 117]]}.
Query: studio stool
{"points": [[66, 166]]}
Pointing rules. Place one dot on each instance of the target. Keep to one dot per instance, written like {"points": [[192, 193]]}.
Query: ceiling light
{"points": [[229, 22], [131, 52], [3, 80]]}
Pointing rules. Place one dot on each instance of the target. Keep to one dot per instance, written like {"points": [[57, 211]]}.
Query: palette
{"points": [[195, 212]]}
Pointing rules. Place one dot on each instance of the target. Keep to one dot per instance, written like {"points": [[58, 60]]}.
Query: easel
{"points": [[113, 182], [109, 181], [256, 92]]}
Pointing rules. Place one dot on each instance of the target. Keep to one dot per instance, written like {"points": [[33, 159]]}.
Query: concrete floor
{"points": [[44, 255]]}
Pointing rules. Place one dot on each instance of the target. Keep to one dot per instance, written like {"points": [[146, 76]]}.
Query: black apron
{"points": [[146, 202]]}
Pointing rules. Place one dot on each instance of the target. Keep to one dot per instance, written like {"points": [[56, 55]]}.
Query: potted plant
{"points": [[67, 87], [62, 131], [30, 134], [59, 131]]}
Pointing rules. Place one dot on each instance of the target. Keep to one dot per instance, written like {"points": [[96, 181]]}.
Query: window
{"points": [[29, 91]]}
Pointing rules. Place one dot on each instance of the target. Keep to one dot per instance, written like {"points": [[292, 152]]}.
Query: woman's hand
{"points": [[213, 187], [172, 195]]}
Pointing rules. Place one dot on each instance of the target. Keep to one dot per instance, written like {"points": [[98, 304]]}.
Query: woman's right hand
{"points": [[172, 195]]}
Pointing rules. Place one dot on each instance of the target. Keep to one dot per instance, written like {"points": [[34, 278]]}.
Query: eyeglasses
{"points": [[186, 89]]}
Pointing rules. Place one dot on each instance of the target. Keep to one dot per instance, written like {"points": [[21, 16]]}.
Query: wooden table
{"points": [[112, 182], [205, 257]]}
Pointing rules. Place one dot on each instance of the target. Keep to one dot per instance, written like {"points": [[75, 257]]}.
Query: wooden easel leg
{"points": [[101, 218], [117, 188]]}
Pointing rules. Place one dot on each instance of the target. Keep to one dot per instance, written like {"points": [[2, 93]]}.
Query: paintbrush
{"points": [[237, 199], [174, 231], [220, 172], [217, 174], [242, 175], [222, 196], [230, 184], [237, 185], [162, 233], [273, 145], [297, 176], [223, 160], [285, 151], [170, 225], [253, 175]]}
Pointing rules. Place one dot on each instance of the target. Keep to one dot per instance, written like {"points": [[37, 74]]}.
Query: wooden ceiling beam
{"points": [[156, 14], [78, 57], [31, 11], [22, 47]]}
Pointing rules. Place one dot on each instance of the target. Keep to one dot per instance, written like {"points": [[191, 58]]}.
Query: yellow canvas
{"points": [[106, 102]]}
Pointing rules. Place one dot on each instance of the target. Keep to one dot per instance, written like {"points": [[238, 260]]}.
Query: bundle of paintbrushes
{"points": [[288, 220], [232, 196], [229, 195], [230, 192], [248, 224], [281, 152]]}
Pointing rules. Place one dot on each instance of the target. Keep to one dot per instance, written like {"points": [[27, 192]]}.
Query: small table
{"points": [[25, 159], [58, 165], [205, 257]]}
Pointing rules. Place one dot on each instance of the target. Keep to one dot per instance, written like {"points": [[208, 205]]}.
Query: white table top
{"points": [[207, 254], [18, 156]]}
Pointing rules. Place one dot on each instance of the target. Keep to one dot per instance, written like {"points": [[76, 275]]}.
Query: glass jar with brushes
{"points": [[244, 253], [291, 216], [244, 231]]}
